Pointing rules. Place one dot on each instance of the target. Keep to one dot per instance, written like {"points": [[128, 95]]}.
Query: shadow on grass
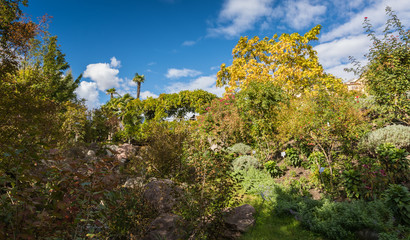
{"points": [[271, 227]]}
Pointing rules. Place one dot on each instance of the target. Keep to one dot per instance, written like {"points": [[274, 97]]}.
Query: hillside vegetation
{"points": [[315, 160]]}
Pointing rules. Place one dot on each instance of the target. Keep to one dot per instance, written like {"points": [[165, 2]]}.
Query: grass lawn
{"points": [[270, 227]]}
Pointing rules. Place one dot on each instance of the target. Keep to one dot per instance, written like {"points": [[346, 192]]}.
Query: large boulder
{"points": [[166, 226], [238, 220], [162, 194], [122, 152]]}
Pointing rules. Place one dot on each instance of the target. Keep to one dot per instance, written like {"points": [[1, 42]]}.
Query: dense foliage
{"points": [[387, 75], [285, 131]]}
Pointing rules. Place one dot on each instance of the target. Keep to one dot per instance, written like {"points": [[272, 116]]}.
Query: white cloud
{"points": [[174, 73], [115, 63], [339, 71], [375, 13], [207, 83], [300, 14], [238, 16], [146, 94], [349, 39], [188, 43], [104, 75], [88, 91], [338, 51]]}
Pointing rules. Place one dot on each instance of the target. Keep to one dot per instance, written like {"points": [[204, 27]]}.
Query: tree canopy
{"points": [[289, 61]]}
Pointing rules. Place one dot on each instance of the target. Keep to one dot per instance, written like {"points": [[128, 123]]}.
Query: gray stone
{"points": [[367, 234], [167, 226], [90, 154], [162, 194], [238, 220], [137, 182]]}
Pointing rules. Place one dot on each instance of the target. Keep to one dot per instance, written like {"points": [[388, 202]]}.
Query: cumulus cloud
{"points": [[300, 14], [174, 73], [103, 75], [207, 83], [238, 16], [337, 51], [349, 39], [115, 63], [89, 92]]}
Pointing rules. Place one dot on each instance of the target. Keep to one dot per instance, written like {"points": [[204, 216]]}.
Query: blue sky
{"points": [[180, 44]]}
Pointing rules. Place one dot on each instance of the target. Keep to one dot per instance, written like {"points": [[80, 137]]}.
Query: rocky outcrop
{"points": [[166, 226], [238, 220]]}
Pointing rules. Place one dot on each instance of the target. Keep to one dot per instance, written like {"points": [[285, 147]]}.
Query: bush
{"points": [[244, 163], [335, 220], [397, 198], [397, 135], [240, 149], [223, 123], [124, 213], [255, 181], [292, 157], [352, 183], [164, 150], [394, 161], [273, 169]]}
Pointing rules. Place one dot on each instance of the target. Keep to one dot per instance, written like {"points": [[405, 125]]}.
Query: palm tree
{"points": [[112, 91], [138, 79]]}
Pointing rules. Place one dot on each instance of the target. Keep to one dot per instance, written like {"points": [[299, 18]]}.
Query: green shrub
{"points": [[273, 169], [397, 198], [352, 183], [292, 157], [124, 213], [240, 149], [163, 153], [394, 161], [244, 163], [335, 220], [397, 135], [316, 160], [255, 181]]}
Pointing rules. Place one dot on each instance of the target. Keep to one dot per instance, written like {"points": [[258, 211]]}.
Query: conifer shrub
{"points": [[398, 135], [244, 163], [240, 149]]}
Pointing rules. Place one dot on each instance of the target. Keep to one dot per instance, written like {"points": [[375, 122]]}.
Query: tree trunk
{"points": [[138, 90]]}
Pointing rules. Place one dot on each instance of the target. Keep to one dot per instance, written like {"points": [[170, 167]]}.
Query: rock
{"points": [[367, 234], [162, 194], [134, 183], [122, 153], [90, 154], [238, 221], [166, 226]]}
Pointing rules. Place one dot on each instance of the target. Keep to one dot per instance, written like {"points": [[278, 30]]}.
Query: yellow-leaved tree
{"points": [[289, 61]]}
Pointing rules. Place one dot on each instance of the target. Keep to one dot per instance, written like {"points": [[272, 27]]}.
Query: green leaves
{"points": [[273, 169], [397, 198], [387, 75]]}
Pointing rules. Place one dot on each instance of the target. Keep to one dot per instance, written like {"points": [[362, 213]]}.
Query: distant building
{"points": [[355, 85]]}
